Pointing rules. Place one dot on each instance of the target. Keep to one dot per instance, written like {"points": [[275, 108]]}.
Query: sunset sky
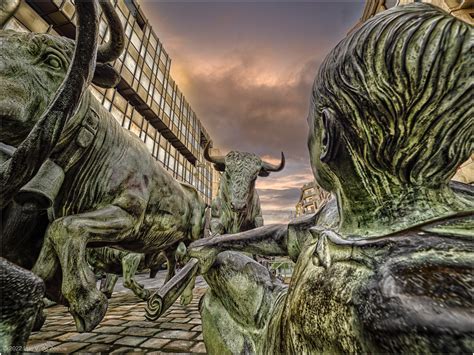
{"points": [[247, 68]]}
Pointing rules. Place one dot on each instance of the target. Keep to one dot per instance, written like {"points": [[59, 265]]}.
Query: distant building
{"points": [[465, 172], [147, 101], [312, 197]]}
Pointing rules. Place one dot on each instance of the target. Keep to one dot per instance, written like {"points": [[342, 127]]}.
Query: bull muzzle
{"points": [[238, 206]]}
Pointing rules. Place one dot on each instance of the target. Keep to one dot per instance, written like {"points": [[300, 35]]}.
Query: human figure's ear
{"points": [[330, 136]]}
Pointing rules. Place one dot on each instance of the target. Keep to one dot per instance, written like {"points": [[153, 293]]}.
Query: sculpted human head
{"points": [[391, 105]]}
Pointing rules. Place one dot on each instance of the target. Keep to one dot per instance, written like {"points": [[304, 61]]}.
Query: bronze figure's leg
{"points": [[130, 265], [69, 237]]}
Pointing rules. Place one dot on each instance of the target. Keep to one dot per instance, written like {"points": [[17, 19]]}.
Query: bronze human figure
{"points": [[386, 266]]}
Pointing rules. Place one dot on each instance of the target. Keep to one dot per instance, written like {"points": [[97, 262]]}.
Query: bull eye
{"points": [[53, 61]]}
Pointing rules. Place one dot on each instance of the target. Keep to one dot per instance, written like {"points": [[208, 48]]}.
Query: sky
{"points": [[247, 69]]}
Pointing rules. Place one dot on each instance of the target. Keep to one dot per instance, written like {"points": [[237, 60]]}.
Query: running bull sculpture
{"points": [[106, 188], [237, 205], [115, 262], [36, 144]]}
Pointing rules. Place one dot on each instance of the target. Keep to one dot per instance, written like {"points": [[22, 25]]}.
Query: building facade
{"points": [[147, 101], [312, 198]]}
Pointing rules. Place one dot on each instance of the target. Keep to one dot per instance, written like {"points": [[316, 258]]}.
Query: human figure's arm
{"points": [[268, 240]]}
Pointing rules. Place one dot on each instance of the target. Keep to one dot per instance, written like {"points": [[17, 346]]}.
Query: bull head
{"points": [[240, 173], [40, 91]]}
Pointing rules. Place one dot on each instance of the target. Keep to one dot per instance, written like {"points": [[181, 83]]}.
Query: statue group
{"points": [[385, 266]]}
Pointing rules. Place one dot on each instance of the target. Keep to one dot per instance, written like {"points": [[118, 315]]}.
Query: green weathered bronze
{"points": [[236, 207], [115, 262], [386, 266], [21, 292], [113, 192], [21, 295]]}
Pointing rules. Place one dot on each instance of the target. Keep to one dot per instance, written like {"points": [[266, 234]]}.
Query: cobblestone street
{"points": [[124, 328]]}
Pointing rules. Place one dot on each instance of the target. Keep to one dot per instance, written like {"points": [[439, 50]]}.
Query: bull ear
{"points": [[330, 136], [105, 76], [263, 173]]}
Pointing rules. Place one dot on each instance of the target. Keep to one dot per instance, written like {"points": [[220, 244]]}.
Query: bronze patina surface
{"points": [[386, 266]]}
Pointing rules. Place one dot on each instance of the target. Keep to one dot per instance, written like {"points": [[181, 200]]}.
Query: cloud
{"points": [[250, 108]]}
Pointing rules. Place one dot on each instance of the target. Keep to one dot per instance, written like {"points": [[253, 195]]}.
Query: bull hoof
{"points": [[88, 314], [39, 320]]}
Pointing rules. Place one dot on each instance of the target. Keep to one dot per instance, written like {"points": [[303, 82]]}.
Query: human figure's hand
{"points": [[204, 252]]}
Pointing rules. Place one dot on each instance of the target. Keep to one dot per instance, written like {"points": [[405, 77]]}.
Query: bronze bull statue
{"points": [[236, 207], [104, 187]]}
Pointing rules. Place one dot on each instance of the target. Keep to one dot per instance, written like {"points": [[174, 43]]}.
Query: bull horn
{"points": [[7, 10], [271, 168], [111, 50], [218, 161], [36, 148]]}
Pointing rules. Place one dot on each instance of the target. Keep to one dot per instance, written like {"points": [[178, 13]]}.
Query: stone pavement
{"points": [[124, 328]]}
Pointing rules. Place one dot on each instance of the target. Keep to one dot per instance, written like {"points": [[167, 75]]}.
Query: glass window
{"points": [[145, 81], [156, 95], [169, 89], [102, 27], [161, 76], [167, 109], [149, 59], [135, 40], [153, 41], [126, 123], [130, 62], [137, 118], [143, 131], [117, 114], [149, 143], [175, 119], [107, 104], [120, 102], [135, 129], [171, 163], [122, 17], [163, 57], [161, 154]]}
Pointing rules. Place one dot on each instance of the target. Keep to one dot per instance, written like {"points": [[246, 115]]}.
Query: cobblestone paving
{"points": [[124, 328]]}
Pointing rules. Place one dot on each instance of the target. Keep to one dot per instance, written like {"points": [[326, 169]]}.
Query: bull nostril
{"points": [[237, 206]]}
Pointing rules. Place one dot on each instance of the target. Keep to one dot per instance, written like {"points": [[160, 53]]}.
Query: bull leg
{"points": [[107, 284], [170, 263], [47, 267], [69, 237], [157, 259], [130, 265]]}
